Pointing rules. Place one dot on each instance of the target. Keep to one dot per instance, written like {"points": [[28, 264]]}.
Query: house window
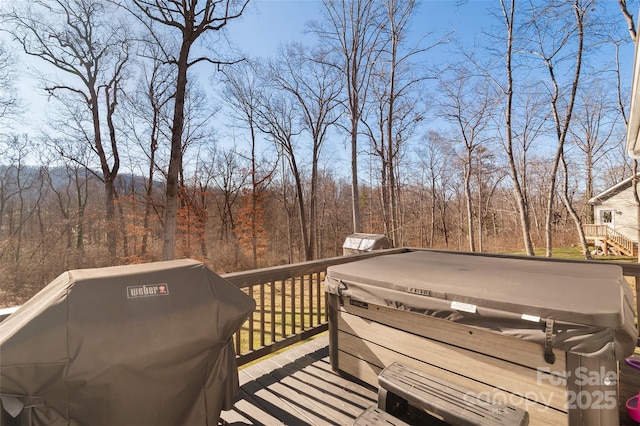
{"points": [[607, 216]]}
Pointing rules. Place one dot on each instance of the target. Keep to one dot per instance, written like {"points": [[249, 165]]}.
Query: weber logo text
{"points": [[147, 290]]}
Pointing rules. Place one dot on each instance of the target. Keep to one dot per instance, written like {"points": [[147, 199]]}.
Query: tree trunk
{"points": [[148, 199], [572, 211], [589, 193], [519, 195], [175, 160], [313, 201], [355, 191], [469, 203], [82, 204], [393, 203], [301, 210], [562, 129]]}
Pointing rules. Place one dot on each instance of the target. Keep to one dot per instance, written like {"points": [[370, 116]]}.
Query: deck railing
{"points": [[290, 301], [290, 304]]}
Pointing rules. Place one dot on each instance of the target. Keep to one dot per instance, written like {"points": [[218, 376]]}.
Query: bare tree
{"points": [[7, 187], [595, 131], [507, 90], [69, 184], [436, 156], [466, 104], [243, 93], [148, 126], [28, 189], [191, 20], [229, 179], [546, 24], [396, 106], [488, 175], [195, 199], [628, 17], [315, 86], [279, 120], [352, 33], [580, 11], [82, 39], [523, 120]]}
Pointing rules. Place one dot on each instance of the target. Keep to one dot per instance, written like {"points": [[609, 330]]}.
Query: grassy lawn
{"points": [[576, 253]]}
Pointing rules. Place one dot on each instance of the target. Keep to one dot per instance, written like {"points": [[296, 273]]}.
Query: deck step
{"points": [[400, 386]]}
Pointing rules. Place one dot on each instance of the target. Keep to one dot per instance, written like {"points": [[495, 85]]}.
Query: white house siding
{"points": [[624, 210]]}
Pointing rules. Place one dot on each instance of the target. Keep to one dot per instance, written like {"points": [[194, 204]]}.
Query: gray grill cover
{"points": [[137, 345], [591, 305]]}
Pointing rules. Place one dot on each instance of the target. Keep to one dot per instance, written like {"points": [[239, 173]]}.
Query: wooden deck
{"points": [[298, 387]]}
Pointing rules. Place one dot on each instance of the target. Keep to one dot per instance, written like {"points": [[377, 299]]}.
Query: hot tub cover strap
{"points": [[549, 356]]}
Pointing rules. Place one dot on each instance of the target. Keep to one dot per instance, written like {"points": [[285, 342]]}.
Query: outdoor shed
{"points": [[145, 344], [518, 331]]}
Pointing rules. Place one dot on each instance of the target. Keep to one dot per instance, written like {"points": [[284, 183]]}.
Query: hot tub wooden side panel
{"points": [[487, 342], [367, 338]]}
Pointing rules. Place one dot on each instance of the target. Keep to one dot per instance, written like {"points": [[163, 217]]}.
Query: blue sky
{"points": [[266, 23]]}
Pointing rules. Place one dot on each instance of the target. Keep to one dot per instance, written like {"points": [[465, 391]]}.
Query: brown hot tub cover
{"points": [[583, 308], [144, 344]]}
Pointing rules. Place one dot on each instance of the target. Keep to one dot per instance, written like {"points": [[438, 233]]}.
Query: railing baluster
{"points": [[262, 308], [319, 292], [302, 322], [310, 300], [250, 290], [238, 339], [273, 311], [283, 307], [293, 305]]}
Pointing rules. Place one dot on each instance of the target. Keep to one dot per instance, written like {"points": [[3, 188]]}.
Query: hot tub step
{"points": [[400, 386]]}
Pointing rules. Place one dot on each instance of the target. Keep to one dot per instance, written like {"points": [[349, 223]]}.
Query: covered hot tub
{"points": [[146, 344], [542, 336]]}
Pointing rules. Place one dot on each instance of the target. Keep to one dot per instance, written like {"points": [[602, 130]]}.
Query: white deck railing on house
{"points": [[610, 236]]}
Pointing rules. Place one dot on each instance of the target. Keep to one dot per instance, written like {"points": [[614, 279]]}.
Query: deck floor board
{"points": [[298, 387]]}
